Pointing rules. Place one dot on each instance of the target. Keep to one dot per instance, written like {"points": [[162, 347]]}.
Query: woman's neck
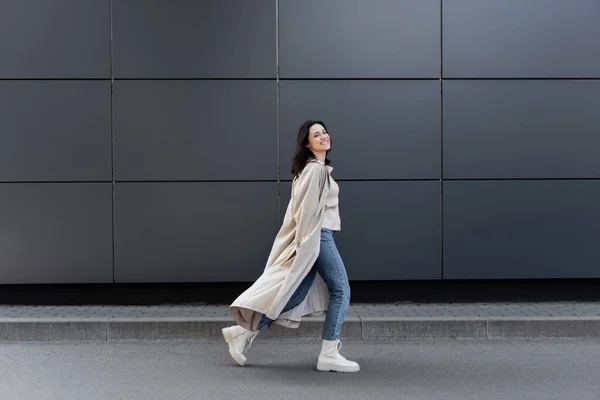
{"points": [[320, 157]]}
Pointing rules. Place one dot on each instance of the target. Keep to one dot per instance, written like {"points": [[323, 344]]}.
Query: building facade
{"points": [[151, 140]]}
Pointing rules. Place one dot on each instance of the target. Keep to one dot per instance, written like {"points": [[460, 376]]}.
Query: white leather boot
{"points": [[331, 360], [239, 340]]}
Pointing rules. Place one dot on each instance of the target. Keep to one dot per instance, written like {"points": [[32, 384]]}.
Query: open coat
{"points": [[292, 256]]}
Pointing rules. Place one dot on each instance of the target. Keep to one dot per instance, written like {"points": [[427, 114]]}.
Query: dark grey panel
{"points": [[55, 39], [521, 129], [390, 230], [191, 39], [521, 229], [379, 129], [55, 233], [359, 39], [195, 130], [534, 38], [55, 130], [193, 232]]}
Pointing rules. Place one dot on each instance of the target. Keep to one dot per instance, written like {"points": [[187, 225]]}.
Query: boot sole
{"points": [[238, 358], [325, 367]]}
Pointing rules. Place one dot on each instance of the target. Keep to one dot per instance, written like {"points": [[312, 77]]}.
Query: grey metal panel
{"points": [[379, 129], [534, 38], [390, 230], [359, 39], [55, 233], [521, 229], [55, 39], [521, 129], [55, 131], [194, 39], [195, 130], [193, 232]]}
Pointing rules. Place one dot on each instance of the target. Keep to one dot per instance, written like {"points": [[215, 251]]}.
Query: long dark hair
{"points": [[302, 153]]}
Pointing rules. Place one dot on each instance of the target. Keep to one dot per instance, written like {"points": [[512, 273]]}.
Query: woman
{"points": [[304, 273]]}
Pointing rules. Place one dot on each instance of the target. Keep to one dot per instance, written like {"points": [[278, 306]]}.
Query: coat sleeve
{"points": [[311, 187]]}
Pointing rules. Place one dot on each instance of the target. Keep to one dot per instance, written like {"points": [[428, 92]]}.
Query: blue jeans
{"points": [[330, 267]]}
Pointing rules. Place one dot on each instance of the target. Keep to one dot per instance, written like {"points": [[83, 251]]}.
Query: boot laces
{"points": [[249, 341]]}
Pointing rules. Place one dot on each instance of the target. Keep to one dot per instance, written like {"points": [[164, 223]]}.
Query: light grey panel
{"points": [[55, 233], [55, 39], [193, 232], [195, 130], [55, 131], [390, 230], [533, 38], [521, 129], [359, 39], [521, 229], [379, 129], [194, 39]]}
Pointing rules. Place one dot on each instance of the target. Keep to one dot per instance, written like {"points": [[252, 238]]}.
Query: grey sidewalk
{"points": [[364, 322]]}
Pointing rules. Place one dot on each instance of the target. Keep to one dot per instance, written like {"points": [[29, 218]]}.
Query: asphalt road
{"points": [[444, 369]]}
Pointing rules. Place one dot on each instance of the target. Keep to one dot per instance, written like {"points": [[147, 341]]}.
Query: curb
{"points": [[355, 328]]}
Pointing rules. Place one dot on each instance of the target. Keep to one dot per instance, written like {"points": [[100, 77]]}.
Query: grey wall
{"points": [[150, 140]]}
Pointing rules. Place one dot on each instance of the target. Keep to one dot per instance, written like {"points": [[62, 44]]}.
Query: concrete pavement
{"points": [[575, 320], [419, 370]]}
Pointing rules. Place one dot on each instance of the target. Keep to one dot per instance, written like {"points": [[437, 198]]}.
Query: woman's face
{"points": [[318, 139]]}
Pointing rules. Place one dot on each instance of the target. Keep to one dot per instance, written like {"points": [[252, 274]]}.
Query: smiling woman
{"points": [[313, 141], [305, 273]]}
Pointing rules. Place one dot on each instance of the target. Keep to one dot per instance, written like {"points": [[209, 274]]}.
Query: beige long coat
{"points": [[292, 256]]}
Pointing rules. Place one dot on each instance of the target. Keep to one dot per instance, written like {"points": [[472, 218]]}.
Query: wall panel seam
{"points": [[112, 138], [442, 139], [278, 124]]}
